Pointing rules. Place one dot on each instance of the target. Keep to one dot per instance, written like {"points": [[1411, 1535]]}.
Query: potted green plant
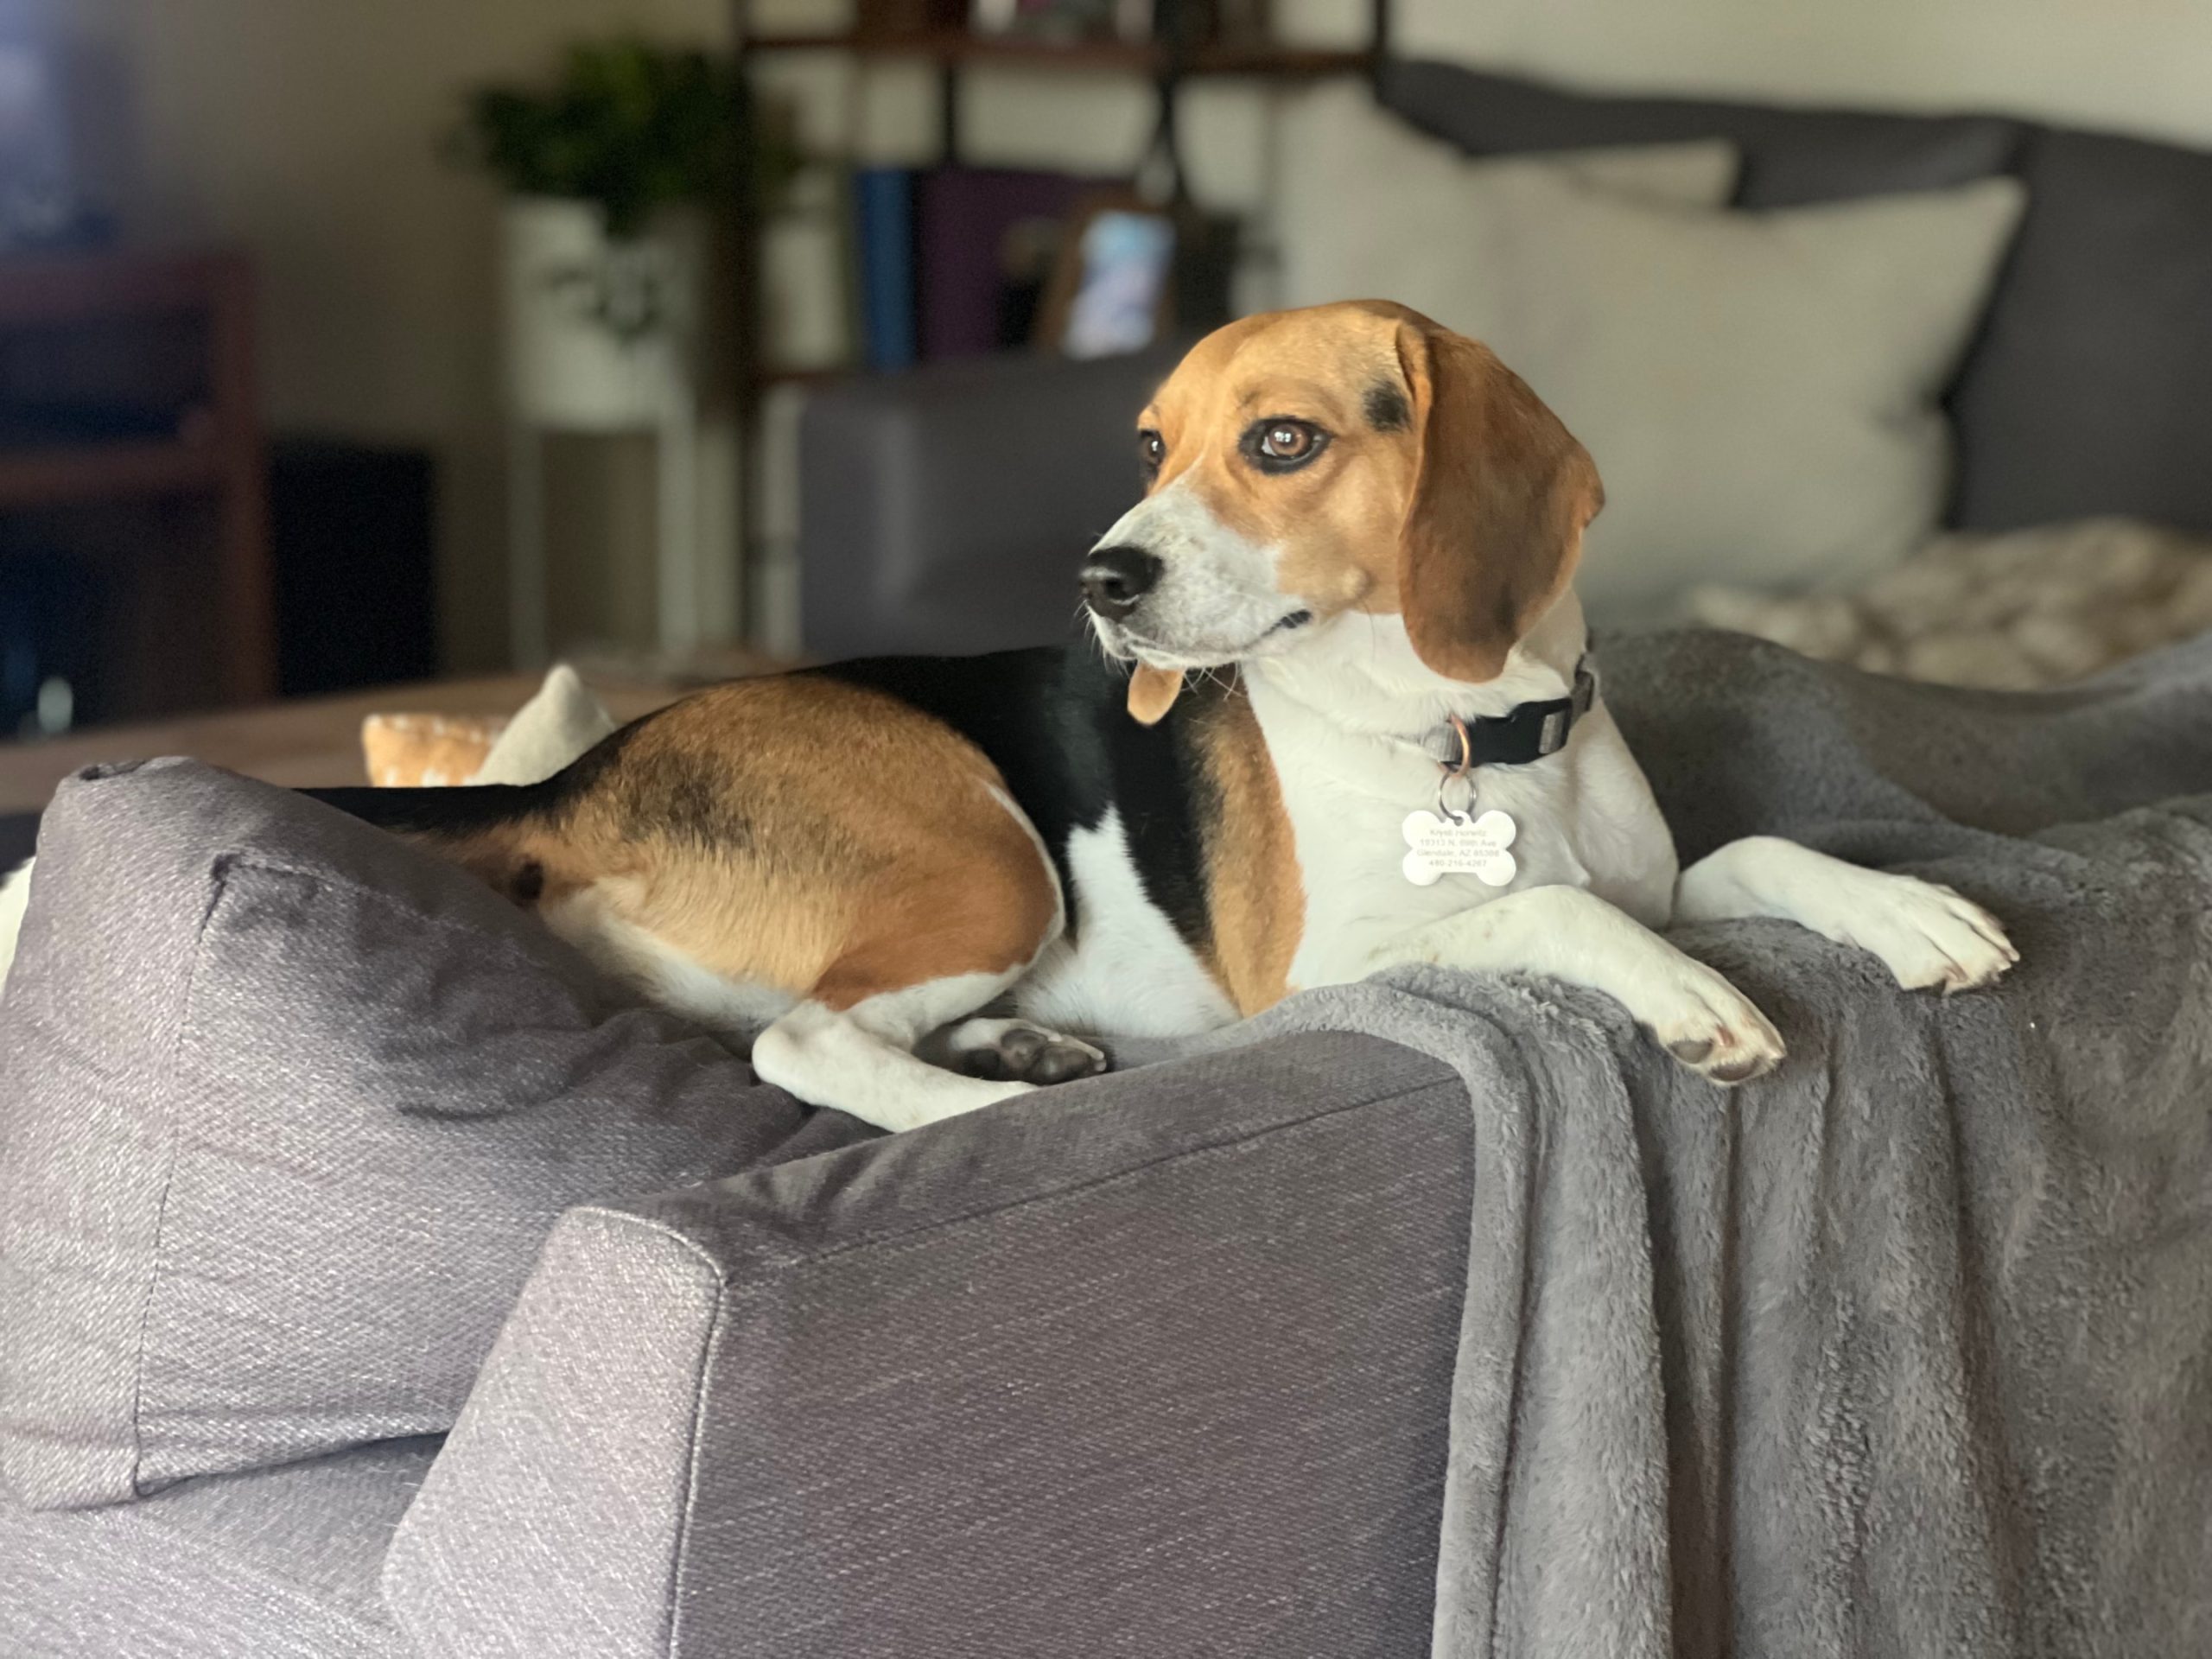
{"points": [[613, 171]]}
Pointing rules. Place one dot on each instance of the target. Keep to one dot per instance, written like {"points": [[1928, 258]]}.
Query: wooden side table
{"points": [[216, 450]]}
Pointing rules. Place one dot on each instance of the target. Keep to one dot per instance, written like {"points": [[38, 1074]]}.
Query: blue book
{"points": [[883, 200]]}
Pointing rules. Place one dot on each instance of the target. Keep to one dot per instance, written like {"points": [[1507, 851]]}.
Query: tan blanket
{"points": [[2029, 608]]}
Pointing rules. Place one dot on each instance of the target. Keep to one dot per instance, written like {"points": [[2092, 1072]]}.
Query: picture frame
{"points": [[1112, 290]]}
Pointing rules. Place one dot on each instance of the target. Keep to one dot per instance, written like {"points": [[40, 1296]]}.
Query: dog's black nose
{"points": [[1115, 578]]}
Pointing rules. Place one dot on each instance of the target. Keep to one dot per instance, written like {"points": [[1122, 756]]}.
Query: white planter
{"points": [[601, 336]]}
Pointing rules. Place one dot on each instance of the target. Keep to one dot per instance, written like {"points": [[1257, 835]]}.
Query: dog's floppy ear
{"points": [[1501, 493]]}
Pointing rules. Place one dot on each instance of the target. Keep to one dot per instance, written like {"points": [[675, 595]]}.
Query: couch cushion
{"points": [[897, 555], [291, 1106], [1791, 156], [2091, 391], [279, 1563]]}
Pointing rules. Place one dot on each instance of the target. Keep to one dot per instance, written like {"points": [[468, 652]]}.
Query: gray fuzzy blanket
{"points": [[1906, 1350]]}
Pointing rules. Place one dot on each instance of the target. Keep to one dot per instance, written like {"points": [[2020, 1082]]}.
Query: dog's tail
{"points": [[505, 833]]}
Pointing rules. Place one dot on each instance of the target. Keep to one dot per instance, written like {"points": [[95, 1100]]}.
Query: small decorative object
{"points": [[908, 19], [1111, 293], [1129, 271], [1064, 19], [614, 171], [604, 275]]}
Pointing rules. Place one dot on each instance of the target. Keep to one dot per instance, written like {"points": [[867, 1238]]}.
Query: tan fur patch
{"points": [[1335, 521], [818, 838]]}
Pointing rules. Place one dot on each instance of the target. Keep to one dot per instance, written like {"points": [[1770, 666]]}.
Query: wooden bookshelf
{"points": [[105, 472], [954, 47], [951, 54], [213, 451]]}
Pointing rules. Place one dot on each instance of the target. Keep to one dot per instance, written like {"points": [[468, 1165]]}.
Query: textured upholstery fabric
{"points": [[1155, 1363], [291, 1106], [1791, 156], [276, 1564]]}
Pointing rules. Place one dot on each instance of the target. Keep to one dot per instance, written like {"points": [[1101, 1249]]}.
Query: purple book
{"points": [[966, 217]]}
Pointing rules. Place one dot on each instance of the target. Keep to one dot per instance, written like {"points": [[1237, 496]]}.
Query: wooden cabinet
{"points": [[129, 378]]}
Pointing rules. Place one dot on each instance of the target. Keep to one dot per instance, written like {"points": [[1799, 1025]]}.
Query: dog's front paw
{"points": [[1927, 935], [1710, 1026]]}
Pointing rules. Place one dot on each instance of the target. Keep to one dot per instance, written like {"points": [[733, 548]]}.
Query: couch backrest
{"points": [[2090, 390]]}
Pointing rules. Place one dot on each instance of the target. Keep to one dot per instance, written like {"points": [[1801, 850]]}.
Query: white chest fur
{"points": [[1337, 714]]}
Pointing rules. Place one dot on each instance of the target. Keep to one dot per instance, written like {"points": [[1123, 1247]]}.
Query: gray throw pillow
{"points": [[290, 1107]]}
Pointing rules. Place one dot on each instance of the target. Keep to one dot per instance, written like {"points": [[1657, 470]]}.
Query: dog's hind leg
{"points": [[949, 937], [860, 1059]]}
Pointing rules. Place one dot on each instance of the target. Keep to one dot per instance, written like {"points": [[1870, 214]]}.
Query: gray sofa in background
{"points": [[947, 510]]}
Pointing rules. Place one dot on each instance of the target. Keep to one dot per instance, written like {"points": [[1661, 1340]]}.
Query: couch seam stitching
{"points": [[219, 874], [702, 1390]]}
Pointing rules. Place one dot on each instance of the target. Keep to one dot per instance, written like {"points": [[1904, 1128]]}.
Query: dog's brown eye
{"points": [[1280, 445], [1153, 447]]}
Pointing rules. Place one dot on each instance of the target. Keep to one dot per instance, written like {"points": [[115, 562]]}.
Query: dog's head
{"points": [[1346, 457]]}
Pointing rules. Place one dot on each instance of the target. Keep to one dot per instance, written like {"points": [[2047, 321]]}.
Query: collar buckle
{"points": [[1525, 734]]}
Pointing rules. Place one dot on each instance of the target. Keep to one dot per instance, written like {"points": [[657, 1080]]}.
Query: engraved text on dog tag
{"points": [[1460, 845]]}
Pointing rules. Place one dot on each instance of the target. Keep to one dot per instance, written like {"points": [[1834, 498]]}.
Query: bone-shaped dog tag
{"points": [[1459, 846]]}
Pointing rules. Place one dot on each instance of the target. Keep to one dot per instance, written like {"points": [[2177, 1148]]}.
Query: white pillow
{"points": [[1758, 389], [1370, 209]]}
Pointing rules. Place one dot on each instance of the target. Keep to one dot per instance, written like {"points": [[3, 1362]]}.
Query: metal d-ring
{"points": [[1465, 769]]}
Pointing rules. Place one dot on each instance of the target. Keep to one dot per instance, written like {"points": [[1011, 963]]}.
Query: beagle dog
{"points": [[1339, 718]]}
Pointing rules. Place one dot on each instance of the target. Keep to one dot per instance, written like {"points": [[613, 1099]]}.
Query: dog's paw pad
{"points": [[1714, 1029], [1017, 1051]]}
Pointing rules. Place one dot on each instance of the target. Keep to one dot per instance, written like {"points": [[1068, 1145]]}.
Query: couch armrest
{"points": [[947, 510], [1159, 1363]]}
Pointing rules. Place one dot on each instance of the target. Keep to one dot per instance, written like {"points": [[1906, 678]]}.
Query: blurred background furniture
{"points": [[947, 510], [936, 249], [128, 399]]}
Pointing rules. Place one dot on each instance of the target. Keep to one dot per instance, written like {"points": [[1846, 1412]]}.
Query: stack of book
{"points": [[919, 265]]}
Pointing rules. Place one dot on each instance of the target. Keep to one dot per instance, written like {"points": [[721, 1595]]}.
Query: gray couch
{"points": [[944, 510]]}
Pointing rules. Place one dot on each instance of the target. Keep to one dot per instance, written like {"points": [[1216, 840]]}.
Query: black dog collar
{"points": [[1527, 731]]}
